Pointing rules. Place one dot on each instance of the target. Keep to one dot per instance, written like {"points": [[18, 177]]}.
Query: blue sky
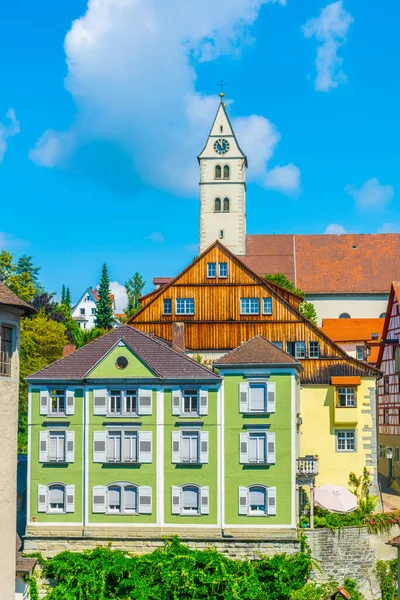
{"points": [[99, 154]]}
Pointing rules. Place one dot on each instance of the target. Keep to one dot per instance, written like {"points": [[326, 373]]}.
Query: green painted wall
{"points": [[106, 369], [205, 474], [42, 473], [105, 474], [280, 474]]}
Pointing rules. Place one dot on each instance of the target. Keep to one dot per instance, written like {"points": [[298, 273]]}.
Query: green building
{"points": [[129, 437]]}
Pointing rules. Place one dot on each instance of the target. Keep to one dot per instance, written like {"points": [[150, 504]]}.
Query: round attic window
{"points": [[121, 362]]}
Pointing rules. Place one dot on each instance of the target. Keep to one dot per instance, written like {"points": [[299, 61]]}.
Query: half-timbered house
{"points": [[388, 388], [217, 303]]}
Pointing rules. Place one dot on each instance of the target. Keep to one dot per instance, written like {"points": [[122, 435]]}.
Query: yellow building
{"points": [[339, 426]]}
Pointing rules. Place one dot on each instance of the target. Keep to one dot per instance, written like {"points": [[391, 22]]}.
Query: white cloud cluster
{"points": [[8, 241], [372, 194], [7, 131], [132, 74], [121, 299], [330, 30], [334, 228]]}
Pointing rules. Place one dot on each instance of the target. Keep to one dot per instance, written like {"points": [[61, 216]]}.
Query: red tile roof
{"points": [[258, 351], [161, 359], [97, 297], [355, 330], [8, 298], [331, 264]]}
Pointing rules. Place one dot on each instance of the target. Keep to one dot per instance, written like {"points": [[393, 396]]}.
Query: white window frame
{"points": [[358, 349], [202, 500], [297, 352], [267, 310], [93, 310], [249, 306], [244, 508], [190, 511], [350, 396], [314, 349], [190, 435], [191, 413], [187, 302], [57, 413], [123, 434], [57, 434], [211, 270], [258, 435], [346, 432], [219, 270], [253, 385], [57, 511], [123, 510], [126, 395], [167, 312], [257, 513], [110, 400], [82, 311]]}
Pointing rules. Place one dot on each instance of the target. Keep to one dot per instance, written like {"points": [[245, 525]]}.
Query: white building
{"points": [[84, 311]]}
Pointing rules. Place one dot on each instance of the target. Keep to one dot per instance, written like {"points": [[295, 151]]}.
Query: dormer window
{"points": [[226, 172], [217, 172], [217, 205]]}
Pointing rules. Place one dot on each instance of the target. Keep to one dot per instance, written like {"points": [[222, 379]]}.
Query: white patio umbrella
{"points": [[335, 498]]}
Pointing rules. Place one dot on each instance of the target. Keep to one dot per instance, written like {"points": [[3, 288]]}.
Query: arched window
{"points": [[217, 172], [122, 498], [257, 500], [226, 205], [190, 499], [56, 498], [382, 315], [344, 316], [217, 205], [226, 172]]}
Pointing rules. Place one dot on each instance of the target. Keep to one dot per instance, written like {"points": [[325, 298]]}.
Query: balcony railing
{"points": [[307, 466]]}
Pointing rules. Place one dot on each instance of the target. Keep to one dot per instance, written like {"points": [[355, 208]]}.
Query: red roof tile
{"points": [[331, 264], [355, 330], [8, 298]]}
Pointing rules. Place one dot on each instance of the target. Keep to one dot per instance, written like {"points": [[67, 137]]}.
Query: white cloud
{"points": [[284, 179], [389, 228], [334, 228], [372, 194], [52, 148], [121, 299], [156, 237], [8, 241], [7, 131], [330, 30], [132, 73]]}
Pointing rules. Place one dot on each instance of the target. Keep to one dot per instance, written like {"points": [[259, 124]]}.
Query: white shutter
{"points": [[99, 446], [100, 402], [69, 505], [70, 439], [145, 438], [272, 500], [176, 500], [145, 397], [204, 446], [42, 498], [99, 499], [271, 448], [145, 500], [244, 397], [204, 502], [176, 402], [271, 393], [242, 500], [204, 402], [44, 402], [70, 401], [43, 446], [176, 446], [244, 448]]}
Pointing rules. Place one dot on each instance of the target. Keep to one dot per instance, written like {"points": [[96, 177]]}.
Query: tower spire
{"points": [[221, 91]]}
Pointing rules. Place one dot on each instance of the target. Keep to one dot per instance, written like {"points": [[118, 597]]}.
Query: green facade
{"points": [[221, 475]]}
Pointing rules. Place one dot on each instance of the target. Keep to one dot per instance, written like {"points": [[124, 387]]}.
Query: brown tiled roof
{"points": [[257, 351], [165, 362], [355, 330], [23, 564], [8, 298], [317, 264], [394, 541], [161, 280]]}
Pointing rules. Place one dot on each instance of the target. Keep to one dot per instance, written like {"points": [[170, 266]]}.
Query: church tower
{"points": [[223, 187]]}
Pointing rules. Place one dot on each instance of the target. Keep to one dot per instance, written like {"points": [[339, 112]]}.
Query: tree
{"points": [[42, 342], [134, 289], [67, 299], [104, 315], [20, 282], [307, 309], [25, 265], [63, 294]]}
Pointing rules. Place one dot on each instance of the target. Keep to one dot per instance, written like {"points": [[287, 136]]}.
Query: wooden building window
{"points": [[386, 416], [167, 306], [249, 306], [296, 349], [360, 352], [5, 350], [211, 270], [386, 384], [313, 350], [278, 345], [185, 306], [223, 270], [346, 397], [267, 306]]}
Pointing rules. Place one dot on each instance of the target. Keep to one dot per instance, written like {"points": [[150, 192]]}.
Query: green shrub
{"points": [[386, 571]]}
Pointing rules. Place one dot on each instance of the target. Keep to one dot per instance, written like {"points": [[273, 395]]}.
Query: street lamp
{"points": [[389, 456]]}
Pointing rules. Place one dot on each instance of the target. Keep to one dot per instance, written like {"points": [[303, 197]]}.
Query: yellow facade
{"points": [[321, 421]]}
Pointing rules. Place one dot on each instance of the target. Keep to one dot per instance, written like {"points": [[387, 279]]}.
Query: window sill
{"points": [[56, 415], [255, 314], [167, 314]]}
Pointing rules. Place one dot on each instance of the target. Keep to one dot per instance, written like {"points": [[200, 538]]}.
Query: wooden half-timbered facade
{"points": [[388, 388], [217, 303]]}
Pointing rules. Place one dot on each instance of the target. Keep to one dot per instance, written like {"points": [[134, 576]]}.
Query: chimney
{"points": [[68, 349], [178, 337]]}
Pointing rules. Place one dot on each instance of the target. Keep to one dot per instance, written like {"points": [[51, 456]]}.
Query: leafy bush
{"points": [[386, 571]]}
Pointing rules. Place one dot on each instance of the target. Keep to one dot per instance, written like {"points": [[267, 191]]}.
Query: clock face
{"points": [[221, 146]]}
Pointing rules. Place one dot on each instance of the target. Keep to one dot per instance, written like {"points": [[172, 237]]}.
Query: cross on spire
{"points": [[221, 85]]}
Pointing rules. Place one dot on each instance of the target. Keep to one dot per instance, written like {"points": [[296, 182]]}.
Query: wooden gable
{"points": [[218, 325]]}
